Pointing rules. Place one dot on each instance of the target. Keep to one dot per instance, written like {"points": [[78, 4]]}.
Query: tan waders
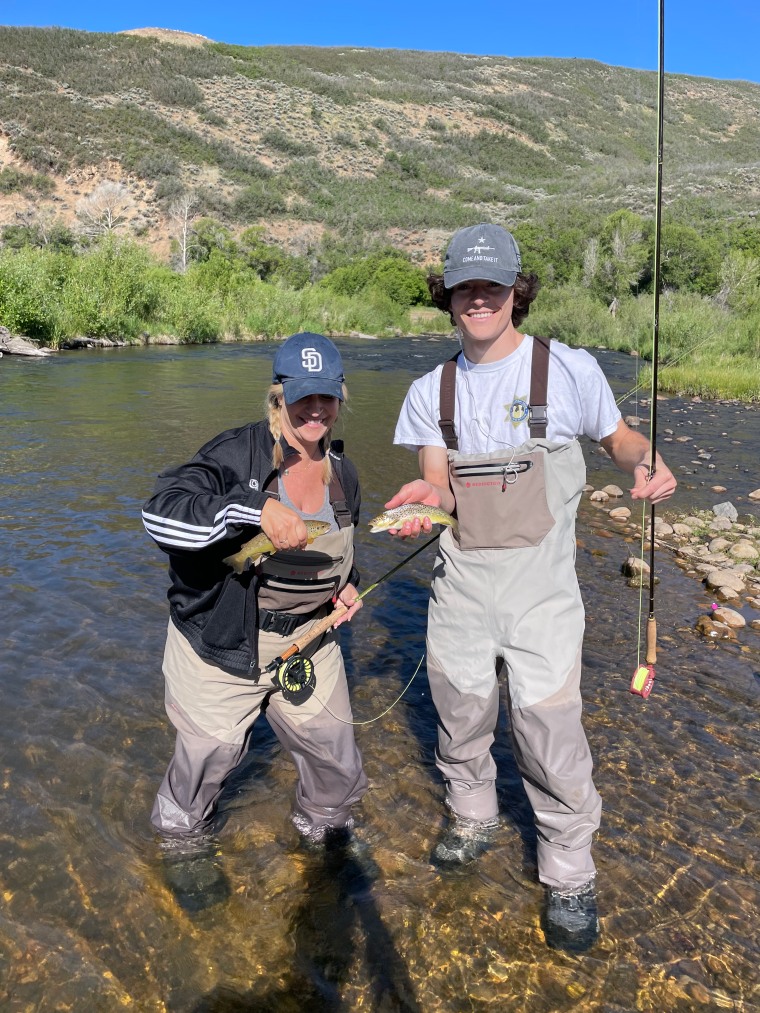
{"points": [[505, 596], [214, 711]]}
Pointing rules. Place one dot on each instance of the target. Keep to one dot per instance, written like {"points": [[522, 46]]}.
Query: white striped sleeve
{"points": [[182, 535]]}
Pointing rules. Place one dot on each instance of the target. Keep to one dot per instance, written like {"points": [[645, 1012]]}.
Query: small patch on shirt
{"points": [[518, 411], [253, 483]]}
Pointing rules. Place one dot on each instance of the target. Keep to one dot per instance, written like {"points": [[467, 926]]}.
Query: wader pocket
{"points": [[298, 581], [284, 594], [501, 501]]}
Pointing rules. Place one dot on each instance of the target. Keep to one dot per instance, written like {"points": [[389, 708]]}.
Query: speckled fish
{"points": [[262, 546], [408, 512]]}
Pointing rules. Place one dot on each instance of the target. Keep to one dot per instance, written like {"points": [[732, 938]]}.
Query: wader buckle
{"points": [[283, 623], [537, 415]]}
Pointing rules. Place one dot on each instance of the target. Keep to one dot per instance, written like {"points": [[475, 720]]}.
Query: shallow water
{"points": [[86, 922]]}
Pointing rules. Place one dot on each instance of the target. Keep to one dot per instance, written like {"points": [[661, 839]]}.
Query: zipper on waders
{"points": [[508, 472]]}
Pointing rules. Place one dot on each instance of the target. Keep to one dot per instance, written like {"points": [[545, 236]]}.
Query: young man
{"points": [[496, 434]]}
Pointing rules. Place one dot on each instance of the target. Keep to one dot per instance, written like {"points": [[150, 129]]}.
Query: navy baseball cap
{"points": [[308, 364], [482, 253]]}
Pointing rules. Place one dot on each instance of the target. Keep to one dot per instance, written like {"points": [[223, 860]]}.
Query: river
{"points": [[86, 922]]}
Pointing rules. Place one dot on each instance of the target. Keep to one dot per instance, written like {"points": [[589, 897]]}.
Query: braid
{"points": [[274, 410]]}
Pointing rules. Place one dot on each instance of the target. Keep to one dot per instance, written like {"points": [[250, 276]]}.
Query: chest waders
{"points": [[214, 710], [506, 587]]}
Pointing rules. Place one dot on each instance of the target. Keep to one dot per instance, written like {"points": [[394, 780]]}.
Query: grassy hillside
{"points": [[404, 144]]}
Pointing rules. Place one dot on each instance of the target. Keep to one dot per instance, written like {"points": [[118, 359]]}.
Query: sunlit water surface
{"points": [[86, 921]]}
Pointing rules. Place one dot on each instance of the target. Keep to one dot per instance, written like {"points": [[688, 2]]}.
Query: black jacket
{"points": [[203, 511]]}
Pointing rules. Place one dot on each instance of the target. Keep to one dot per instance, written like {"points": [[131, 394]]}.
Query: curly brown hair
{"points": [[526, 290]]}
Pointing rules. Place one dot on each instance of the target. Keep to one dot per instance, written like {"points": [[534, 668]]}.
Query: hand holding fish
{"points": [[252, 551], [283, 526], [413, 510]]}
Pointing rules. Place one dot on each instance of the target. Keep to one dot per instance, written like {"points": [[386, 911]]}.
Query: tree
{"points": [[41, 229], [182, 218], [105, 210], [689, 261], [271, 262], [739, 282], [616, 263]]}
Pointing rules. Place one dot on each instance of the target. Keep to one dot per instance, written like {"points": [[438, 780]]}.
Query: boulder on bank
{"points": [[14, 345]]}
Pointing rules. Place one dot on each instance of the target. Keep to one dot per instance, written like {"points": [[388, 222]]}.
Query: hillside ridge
{"points": [[401, 144]]}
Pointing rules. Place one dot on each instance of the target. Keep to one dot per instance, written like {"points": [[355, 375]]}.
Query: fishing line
{"points": [[671, 362], [382, 714], [641, 683], [488, 433]]}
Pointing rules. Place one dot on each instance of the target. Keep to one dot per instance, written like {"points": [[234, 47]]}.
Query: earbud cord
{"points": [[489, 436]]}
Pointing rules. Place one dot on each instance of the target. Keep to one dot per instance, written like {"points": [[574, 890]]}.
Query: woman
{"points": [[226, 627]]}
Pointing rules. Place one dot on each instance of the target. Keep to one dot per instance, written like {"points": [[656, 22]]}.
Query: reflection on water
{"points": [[87, 922]]}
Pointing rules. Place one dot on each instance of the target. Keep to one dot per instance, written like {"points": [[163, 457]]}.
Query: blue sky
{"points": [[707, 39]]}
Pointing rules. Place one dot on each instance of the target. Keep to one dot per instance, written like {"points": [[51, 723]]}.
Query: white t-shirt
{"points": [[492, 402]]}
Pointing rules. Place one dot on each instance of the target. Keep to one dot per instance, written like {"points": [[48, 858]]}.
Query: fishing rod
{"points": [[643, 677], [295, 674]]}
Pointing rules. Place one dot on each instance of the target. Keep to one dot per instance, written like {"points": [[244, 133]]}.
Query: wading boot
{"points": [[463, 842], [323, 839], [193, 874], [570, 920]]}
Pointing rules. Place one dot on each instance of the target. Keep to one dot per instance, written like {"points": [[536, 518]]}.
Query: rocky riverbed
{"points": [[712, 546]]}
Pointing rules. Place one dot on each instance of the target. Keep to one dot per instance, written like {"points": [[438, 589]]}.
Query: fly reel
{"points": [[295, 679]]}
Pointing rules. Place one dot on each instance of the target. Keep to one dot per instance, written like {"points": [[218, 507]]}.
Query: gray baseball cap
{"points": [[482, 253], [308, 364]]}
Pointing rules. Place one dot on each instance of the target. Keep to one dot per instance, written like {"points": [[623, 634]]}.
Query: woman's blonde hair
{"points": [[273, 408]]}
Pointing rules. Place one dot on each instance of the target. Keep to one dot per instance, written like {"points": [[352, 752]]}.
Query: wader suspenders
{"points": [[446, 410], [337, 495], [539, 382]]}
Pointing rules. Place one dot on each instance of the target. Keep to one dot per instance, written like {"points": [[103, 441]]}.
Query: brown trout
{"points": [[408, 512], [261, 546]]}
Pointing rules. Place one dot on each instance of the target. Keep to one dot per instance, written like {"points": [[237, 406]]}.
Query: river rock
{"points": [[717, 488], [720, 524], [720, 579], [682, 529], [726, 510], [754, 495], [718, 544], [620, 514], [744, 550], [599, 496], [633, 566], [716, 631], [730, 617], [613, 491]]}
